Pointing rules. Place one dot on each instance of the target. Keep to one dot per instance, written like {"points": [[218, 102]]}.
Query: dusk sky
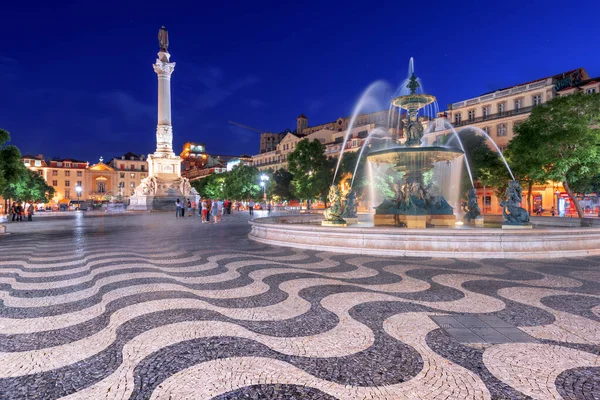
{"points": [[77, 78]]}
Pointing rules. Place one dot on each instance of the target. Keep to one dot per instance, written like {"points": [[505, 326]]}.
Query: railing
{"points": [[503, 93], [505, 114]]}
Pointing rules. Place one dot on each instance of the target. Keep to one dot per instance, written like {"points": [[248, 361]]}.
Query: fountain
{"points": [[415, 205], [416, 185]]}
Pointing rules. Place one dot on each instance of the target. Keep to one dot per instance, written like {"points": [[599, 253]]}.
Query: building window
{"points": [[79, 173], [67, 173], [457, 118], [142, 176], [121, 184], [67, 194], [501, 130], [68, 164], [536, 100], [471, 115], [101, 187], [54, 183], [486, 129], [132, 185], [143, 168], [122, 175], [486, 111], [354, 143], [132, 175], [78, 183], [122, 167], [518, 104], [501, 107], [590, 91], [132, 167], [54, 172], [487, 204]]}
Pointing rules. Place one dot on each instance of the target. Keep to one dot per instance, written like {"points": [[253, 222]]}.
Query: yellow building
{"points": [[65, 175], [129, 169]]}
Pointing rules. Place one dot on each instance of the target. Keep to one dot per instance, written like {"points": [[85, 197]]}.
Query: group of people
{"points": [[207, 208], [20, 210]]}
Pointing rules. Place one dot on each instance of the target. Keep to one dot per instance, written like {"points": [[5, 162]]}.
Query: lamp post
{"points": [[78, 190], [263, 182], [557, 194]]}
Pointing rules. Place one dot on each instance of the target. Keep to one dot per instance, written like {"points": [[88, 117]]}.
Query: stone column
{"points": [[164, 130]]}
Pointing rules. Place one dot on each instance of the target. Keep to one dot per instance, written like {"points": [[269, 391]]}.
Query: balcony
{"points": [[491, 117]]}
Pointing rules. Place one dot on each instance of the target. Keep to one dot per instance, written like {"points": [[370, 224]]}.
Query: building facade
{"points": [[65, 175], [130, 169]]}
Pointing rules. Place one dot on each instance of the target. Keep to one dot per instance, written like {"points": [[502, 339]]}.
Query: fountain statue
{"points": [[333, 214], [471, 208], [514, 214], [350, 208], [416, 204]]}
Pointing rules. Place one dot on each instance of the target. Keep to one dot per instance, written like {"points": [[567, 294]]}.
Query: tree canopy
{"points": [[11, 167], [280, 185], [560, 142], [242, 183], [313, 172], [29, 187]]}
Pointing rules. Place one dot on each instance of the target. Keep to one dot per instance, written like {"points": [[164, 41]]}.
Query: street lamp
{"points": [[78, 190], [557, 203], [263, 182]]}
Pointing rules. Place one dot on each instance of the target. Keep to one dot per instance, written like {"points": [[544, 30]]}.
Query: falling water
{"points": [[365, 143], [371, 183], [478, 130], [448, 124], [365, 99]]}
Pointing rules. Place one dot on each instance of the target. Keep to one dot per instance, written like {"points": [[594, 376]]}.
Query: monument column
{"points": [[164, 69]]}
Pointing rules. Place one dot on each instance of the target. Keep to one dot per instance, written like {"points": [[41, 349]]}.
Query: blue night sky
{"points": [[77, 78]]}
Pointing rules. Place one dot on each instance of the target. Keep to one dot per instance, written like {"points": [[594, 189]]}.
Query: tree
{"points": [[311, 169], [29, 187], [11, 166], [210, 187], [561, 140], [242, 183], [485, 163], [281, 185]]}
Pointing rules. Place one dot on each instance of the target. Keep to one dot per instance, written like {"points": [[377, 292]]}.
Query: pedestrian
{"points": [[204, 211], [177, 208], [30, 212], [189, 207], [214, 210], [20, 211], [552, 211], [13, 211], [251, 207], [220, 210], [208, 210], [269, 209]]}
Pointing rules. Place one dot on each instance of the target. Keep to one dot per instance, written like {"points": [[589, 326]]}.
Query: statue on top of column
{"points": [[163, 39]]}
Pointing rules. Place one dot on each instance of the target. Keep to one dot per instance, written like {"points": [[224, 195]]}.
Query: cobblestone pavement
{"points": [[146, 306]]}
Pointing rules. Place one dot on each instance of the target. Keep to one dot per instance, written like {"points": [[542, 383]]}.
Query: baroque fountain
{"points": [[423, 197]]}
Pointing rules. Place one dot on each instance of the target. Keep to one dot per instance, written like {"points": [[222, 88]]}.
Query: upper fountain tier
{"points": [[414, 101]]}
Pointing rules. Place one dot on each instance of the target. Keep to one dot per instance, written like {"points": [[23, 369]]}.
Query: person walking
{"points": [[20, 211], [269, 209], [189, 207], [214, 210], [177, 208], [220, 210], [30, 212], [13, 211], [251, 207], [204, 211], [208, 210]]}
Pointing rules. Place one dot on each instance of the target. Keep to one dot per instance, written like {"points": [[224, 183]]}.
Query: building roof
{"points": [[582, 83], [68, 159], [562, 74], [101, 167], [302, 116], [29, 156]]}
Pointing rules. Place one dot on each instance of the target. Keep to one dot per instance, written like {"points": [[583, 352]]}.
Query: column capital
{"points": [[164, 68]]}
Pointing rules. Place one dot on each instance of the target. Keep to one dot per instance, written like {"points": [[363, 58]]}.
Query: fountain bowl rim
{"points": [[416, 150]]}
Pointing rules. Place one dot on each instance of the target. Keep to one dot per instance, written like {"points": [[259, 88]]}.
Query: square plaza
{"points": [[145, 305]]}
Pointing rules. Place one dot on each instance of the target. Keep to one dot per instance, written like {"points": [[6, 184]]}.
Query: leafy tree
{"points": [[280, 186], [347, 167], [29, 187], [11, 167], [485, 163], [210, 187], [561, 140], [242, 183], [311, 169]]}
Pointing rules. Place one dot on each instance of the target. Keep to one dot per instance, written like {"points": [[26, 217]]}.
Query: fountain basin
{"points": [[475, 243], [418, 159]]}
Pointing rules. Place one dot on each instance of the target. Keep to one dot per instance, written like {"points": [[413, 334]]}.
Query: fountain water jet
{"points": [[484, 133], [364, 146]]}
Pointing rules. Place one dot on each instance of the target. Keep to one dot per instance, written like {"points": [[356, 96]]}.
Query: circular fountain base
{"points": [[306, 233]]}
